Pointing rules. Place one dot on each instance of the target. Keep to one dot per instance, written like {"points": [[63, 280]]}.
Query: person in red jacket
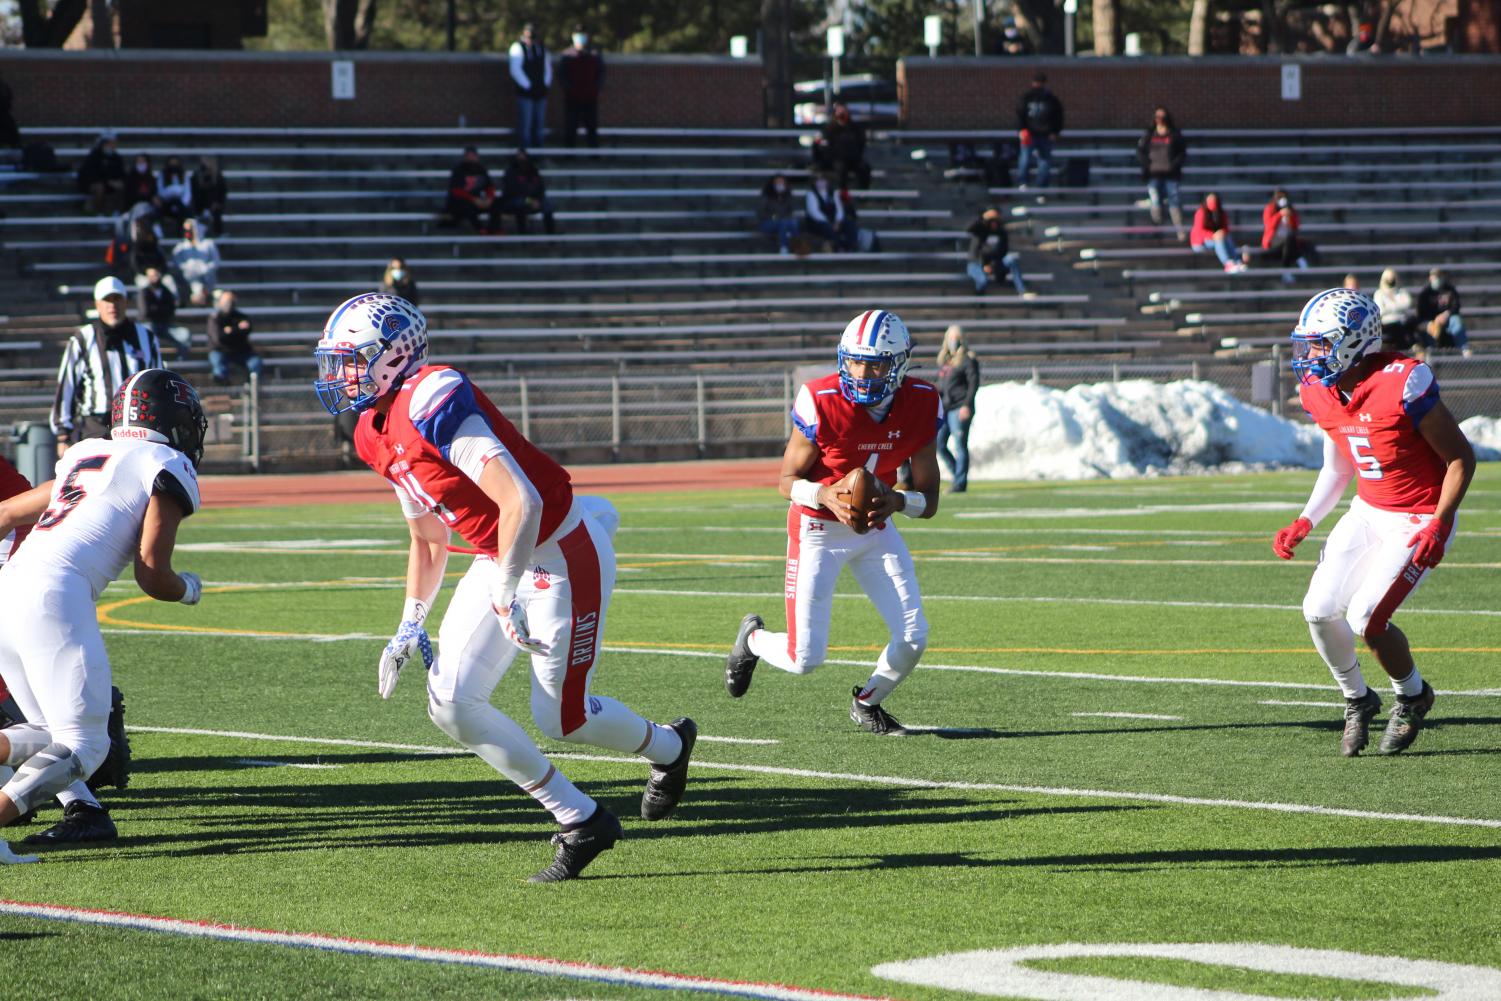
{"points": [[1280, 236], [1211, 228]]}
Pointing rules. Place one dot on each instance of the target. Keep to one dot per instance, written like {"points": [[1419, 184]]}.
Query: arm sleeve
{"points": [[1419, 393], [514, 560], [805, 414], [517, 57], [411, 508], [1336, 474]]}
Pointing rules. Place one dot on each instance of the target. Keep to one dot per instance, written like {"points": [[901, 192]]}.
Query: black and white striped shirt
{"points": [[92, 369]]}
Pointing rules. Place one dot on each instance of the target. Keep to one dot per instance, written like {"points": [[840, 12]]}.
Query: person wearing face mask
{"points": [[140, 184], [583, 71], [1211, 228], [826, 216], [1280, 236], [1439, 322], [196, 261], [776, 216], [174, 191], [531, 72], [1398, 317], [398, 280], [97, 360], [840, 149]]}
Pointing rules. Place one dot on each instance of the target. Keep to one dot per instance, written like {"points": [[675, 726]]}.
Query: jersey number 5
{"points": [[1367, 464], [71, 493]]}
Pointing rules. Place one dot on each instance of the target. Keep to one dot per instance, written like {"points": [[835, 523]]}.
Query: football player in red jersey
{"points": [[541, 583], [1386, 428], [866, 414]]}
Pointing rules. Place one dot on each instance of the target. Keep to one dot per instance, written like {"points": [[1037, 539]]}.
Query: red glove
{"points": [[1288, 538], [1428, 544]]}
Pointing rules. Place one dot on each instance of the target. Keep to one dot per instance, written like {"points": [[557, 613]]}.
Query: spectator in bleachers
{"points": [[1398, 315], [1439, 322], [990, 253], [195, 259], [1161, 152], [229, 339], [1014, 41], [145, 251], [1211, 228], [531, 72], [1352, 282], [140, 184], [157, 306], [1280, 236], [523, 193], [776, 215], [825, 217], [175, 192], [582, 68], [398, 280], [958, 382], [471, 194], [209, 193], [1039, 120], [840, 149], [101, 177]]}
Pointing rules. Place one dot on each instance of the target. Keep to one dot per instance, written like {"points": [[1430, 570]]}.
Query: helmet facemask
{"points": [[1335, 331], [371, 344], [875, 337]]}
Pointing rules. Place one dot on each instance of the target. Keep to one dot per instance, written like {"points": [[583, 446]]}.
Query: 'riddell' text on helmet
{"points": [[880, 339], [369, 345], [1335, 330], [159, 405]]}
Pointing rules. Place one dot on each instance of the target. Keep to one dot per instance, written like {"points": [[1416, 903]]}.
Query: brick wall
{"points": [[1212, 92], [134, 87]]}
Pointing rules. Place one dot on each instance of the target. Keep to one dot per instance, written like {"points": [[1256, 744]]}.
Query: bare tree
{"points": [[1198, 28], [1107, 27], [348, 23]]}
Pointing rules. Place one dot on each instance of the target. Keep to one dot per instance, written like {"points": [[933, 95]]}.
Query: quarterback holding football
{"points": [[540, 585], [866, 418], [1386, 428]]}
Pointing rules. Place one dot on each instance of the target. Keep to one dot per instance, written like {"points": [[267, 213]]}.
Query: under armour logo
{"points": [[1364, 418], [399, 448], [893, 434]]}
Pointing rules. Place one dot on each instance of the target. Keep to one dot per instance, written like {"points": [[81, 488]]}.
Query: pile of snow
{"points": [[1485, 434], [1133, 428]]}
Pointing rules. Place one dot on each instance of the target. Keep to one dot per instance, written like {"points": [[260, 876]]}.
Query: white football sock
{"points": [[662, 746], [1335, 642], [78, 792], [1410, 686], [561, 798], [772, 648]]}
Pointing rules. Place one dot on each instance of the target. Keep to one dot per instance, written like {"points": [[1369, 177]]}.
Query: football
{"points": [[861, 490]]}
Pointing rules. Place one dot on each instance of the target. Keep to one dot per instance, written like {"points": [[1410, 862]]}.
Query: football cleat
{"points": [[667, 782], [741, 662], [1358, 715], [579, 847], [1406, 720], [82, 823], [115, 769], [874, 718]]}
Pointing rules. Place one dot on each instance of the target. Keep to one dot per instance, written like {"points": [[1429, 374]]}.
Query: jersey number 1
{"points": [[1367, 464], [71, 493]]}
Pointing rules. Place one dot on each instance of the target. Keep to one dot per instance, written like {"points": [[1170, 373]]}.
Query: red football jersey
{"points": [[1397, 469], [848, 436], [411, 451], [11, 483]]}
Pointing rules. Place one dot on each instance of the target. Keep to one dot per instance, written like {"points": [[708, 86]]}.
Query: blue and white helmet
{"points": [[874, 336], [1335, 330], [369, 345]]}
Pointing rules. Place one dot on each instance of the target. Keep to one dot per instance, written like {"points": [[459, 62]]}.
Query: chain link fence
{"points": [[642, 418]]}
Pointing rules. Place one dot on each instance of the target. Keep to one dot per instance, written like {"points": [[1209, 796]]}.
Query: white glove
{"points": [[513, 624], [193, 585], [409, 641]]}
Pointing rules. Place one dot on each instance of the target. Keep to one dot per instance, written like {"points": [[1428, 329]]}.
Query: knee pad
{"points": [[44, 775]]}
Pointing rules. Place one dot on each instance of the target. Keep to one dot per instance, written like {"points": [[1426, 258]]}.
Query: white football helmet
{"points": [[1335, 330], [875, 336], [369, 345]]}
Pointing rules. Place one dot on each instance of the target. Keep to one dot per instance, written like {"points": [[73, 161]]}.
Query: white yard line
{"points": [[259, 763], [539, 965], [420, 748], [1285, 702], [913, 783], [1130, 716]]}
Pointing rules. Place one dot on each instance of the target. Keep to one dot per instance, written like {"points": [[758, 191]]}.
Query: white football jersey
{"points": [[92, 527]]}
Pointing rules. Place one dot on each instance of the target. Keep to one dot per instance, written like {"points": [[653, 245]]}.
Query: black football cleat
{"points": [[667, 782], [1406, 720], [874, 718], [82, 823], [115, 769], [741, 662], [1358, 715], [579, 847]]}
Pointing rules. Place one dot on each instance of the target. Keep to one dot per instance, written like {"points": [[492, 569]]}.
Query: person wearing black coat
{"points": [[1160, 151], [524, 193], [840, 149], [1039, 120], [990, 253], [101, 177]]}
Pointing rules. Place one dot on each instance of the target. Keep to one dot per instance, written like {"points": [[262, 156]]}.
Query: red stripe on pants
{"points": [[582, 562], [789, 583], [1394, 596]]}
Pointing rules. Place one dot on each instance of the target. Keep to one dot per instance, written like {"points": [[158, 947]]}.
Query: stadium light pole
{"points": [[978, 6], [452, 23], [932, 33], [1070, 9]]}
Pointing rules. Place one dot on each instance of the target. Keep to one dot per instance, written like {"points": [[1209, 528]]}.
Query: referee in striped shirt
{"points": [[98, 358]]}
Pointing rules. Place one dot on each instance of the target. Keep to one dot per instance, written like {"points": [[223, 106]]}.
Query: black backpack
{"points": [[39, 158]]}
